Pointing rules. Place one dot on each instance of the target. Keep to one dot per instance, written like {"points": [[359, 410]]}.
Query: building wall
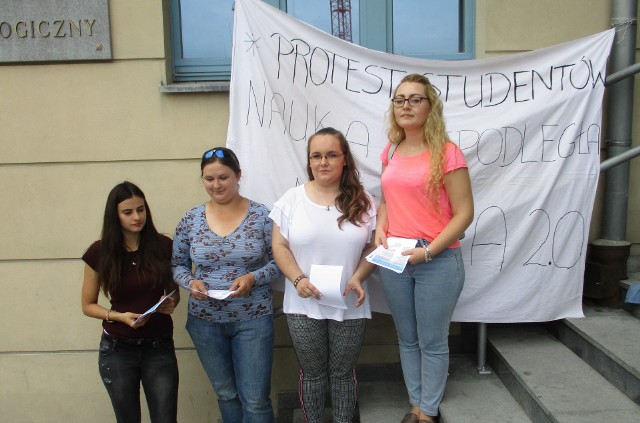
{"points": [[70, 132]]}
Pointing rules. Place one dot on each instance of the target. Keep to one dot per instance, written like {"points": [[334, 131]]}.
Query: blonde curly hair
{"points": [[434, 132]]}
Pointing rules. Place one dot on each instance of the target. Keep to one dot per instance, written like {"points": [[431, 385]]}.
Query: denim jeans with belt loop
{"points": [[237, 357], [422, 299], [125, 363]]}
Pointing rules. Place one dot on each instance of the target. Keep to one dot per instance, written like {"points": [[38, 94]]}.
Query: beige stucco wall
{"points": [[72, 131], [520, 25]]}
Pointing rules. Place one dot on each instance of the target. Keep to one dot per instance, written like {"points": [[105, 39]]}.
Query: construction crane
{"points": [[341, 19]]}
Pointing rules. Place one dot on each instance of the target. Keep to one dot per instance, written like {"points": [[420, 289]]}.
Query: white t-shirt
{"points": [[314, 238]]}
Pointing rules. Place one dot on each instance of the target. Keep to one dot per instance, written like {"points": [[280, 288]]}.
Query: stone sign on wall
{"points": [[54, 30]]}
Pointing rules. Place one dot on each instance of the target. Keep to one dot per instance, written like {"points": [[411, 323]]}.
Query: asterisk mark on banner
{"points": [[253, 43]]}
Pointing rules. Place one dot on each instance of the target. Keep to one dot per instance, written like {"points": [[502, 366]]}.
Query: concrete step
{"points": [[550, 382], [474, 397], [383, 401], [469, 397], [609, 341]]}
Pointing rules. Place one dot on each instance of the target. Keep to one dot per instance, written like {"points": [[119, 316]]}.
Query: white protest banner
{"points": [[529, 125]]}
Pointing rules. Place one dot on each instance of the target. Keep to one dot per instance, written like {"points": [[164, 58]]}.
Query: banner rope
{"points": [[622, 25]]}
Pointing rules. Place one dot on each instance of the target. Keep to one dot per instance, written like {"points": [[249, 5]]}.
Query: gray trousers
{"points": [[327, 350]]}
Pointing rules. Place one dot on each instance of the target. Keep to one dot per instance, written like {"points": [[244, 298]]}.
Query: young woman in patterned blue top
{"points": [[225, 244]]}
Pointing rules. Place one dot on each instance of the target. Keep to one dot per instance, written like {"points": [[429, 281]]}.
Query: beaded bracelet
{"points": [[108, 312], [298, 279], [427, 254]]}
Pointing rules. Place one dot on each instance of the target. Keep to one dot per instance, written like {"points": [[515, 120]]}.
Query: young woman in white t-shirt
{"points": [[327, 221]]}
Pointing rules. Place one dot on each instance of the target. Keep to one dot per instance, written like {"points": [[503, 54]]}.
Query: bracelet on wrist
{"points": [[109, 312], [298, 279], [427, 254]]}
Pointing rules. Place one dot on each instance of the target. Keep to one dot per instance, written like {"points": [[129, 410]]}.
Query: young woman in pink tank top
{"points": [[426, 196]]}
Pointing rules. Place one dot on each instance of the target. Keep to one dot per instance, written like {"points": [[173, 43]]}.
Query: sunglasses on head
{"points": [[214, 151]]}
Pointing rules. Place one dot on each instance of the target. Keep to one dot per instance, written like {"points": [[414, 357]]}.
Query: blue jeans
{"points": [[421, 300], [237, 358], [124, 364]]}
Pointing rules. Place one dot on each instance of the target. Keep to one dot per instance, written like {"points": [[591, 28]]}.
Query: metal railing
{"points": [[620, 158]]}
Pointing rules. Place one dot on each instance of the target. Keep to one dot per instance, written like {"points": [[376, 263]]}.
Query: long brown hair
{"points": [[153, 256], [434, 131], [352, 202]]}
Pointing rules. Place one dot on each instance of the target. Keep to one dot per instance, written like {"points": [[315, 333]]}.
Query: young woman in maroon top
{"points": [[131, 265]]}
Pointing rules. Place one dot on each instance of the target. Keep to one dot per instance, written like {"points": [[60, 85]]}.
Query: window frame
{"points": [[374, 15]]}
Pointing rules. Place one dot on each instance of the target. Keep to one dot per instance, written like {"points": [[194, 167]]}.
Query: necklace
{"points": [[132, 253], [328, 204], [132, 256]]}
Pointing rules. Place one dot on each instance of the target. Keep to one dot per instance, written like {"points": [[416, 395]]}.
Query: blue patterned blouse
{"points": [[218, 261]]}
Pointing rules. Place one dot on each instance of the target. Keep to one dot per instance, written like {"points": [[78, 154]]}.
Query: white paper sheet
{"points": [[328, 280], [219, 294]]}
